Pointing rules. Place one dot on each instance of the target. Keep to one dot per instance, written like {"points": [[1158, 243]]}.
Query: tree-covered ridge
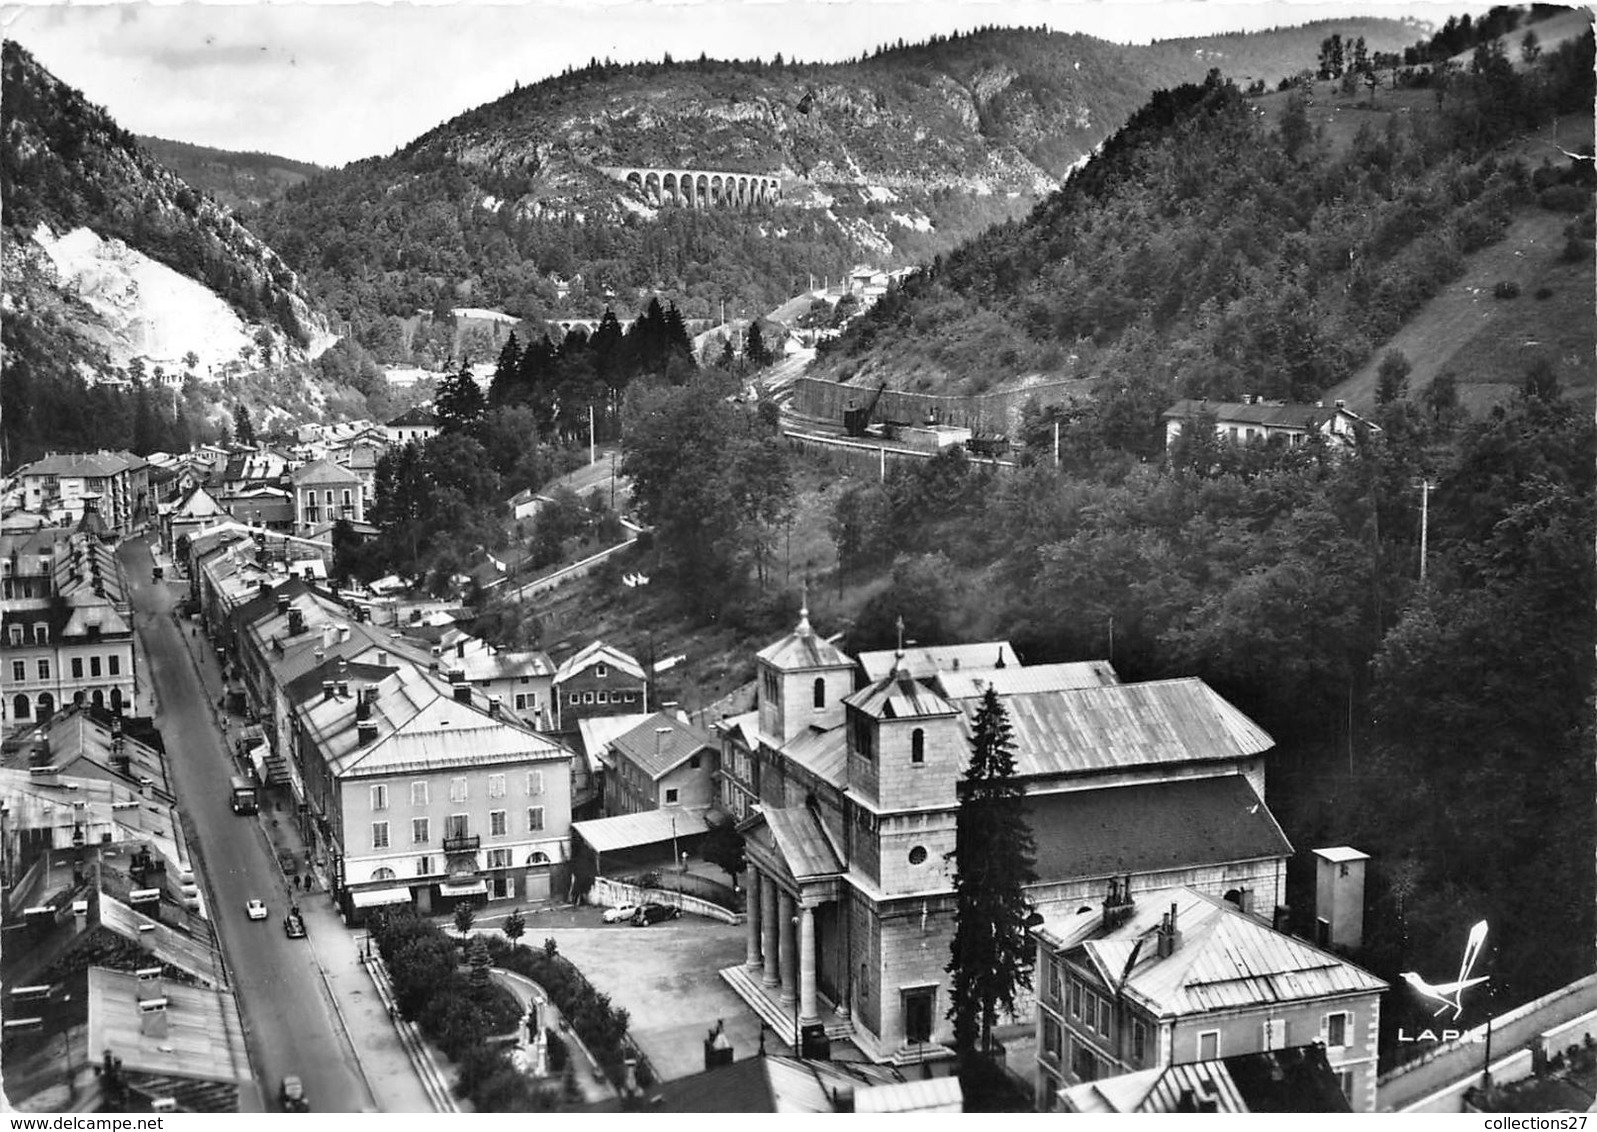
{"points": [[488, 207], [66, 163], [230, 178], [1243, 257]]}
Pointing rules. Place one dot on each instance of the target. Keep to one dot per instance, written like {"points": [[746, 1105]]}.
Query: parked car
{"points": [[293, 924], [291, 1095], [255, 909], [620, 914], [653, 914]]}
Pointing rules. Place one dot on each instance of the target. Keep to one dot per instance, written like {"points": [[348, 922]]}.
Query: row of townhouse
{"points": [[66, 632], [845, 778], [423, 773]]}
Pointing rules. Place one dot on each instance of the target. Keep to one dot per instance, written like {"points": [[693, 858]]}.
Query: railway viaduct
{"points": [[698, 188]]}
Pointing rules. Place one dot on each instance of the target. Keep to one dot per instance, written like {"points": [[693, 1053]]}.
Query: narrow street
{"points": [[289, 1020]]}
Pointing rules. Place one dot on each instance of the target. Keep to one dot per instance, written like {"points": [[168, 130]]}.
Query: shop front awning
{"points": [[374, 897], [477, 887]]}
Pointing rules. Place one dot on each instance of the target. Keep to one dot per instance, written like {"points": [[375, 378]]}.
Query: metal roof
{"points": [[922, 662], [662, 742], [936, 1094], [803, 649], [970, 683], [1223, 960], [204, 1038], [900, 696], [646, 827], [598, 653], [323, 471], [1119, 726], [164, 942], [801, 841], [822, 753]]}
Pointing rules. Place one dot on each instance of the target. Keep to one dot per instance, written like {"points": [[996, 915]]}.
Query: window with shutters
{"points": [[94, 666], [496, 786], [1075, 999], [499, 858], [379, 797], [535, 782], [418, 793], [457, 789], [459, 825], [77, 667], [19, 670], [379, 835], [1139, 1041], [114, 664], [420, 832], [44, 670], [1275, 1031], [424, 866], [534, 819], [496, 823], [1055, 981]]}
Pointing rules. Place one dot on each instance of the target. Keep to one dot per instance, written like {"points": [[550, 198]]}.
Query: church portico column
{"points": [[768, 925], [809, 1010], [751, 921], [787, 942]]}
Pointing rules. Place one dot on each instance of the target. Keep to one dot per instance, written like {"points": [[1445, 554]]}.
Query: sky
{"points": [[334, 82]]}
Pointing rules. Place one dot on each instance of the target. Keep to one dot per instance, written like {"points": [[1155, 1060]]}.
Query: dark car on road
{"points": [[293, 924], [653, 914], [292, 1095]]}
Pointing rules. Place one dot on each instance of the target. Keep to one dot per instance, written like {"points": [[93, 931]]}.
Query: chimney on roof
{"points": [[366, 732], [327, 635], [296, 622], [343, 632], [1341, 404], [382, 658], [463, 693], [343, 689], [629, 1084], [495, 705], [149, 982], [327, 689], [282, 600], [460, 648], [1117, 906], [152, 1017], [843, 1099], [1169, 934], [320, 657]]}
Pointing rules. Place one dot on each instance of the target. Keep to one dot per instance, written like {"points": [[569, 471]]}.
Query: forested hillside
{"points": [[236, 180], [1214, 249], [891, 159]]}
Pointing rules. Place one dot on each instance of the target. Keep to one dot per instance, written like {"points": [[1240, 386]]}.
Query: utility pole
{"points": [[591, 458], [1056, 444], [1425, 524]]}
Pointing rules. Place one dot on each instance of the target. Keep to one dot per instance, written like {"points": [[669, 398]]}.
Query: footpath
{"points": [[400, 1075]]}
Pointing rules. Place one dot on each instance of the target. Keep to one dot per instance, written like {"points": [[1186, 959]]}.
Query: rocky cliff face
{"points": [[148, 267]]}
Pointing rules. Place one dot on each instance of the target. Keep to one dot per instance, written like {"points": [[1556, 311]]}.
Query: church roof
{"points": [[1152, 827], [802, 844], [804, 648], [900, 696], [926, 661]]}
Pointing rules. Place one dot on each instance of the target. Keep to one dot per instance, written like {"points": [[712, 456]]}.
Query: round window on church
{"points": [[917, 855]]}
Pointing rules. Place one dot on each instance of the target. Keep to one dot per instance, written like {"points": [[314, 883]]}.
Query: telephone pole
{"points": [[1425, 523]]}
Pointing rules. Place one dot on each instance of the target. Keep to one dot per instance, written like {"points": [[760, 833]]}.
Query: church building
{"points": [[847, 790]]}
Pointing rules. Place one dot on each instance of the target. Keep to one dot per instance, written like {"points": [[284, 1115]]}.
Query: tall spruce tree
{"points": [[460, 404], [243, 427], [994, 858]]}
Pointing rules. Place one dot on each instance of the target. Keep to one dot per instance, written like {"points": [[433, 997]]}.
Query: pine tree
{"points": [[460, 404], [243, 427], [506, 373], [994, 858], [754, 351]]}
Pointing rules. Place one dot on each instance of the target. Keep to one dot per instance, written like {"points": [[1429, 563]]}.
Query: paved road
{"points": [[289, 1022], [596, 476]]}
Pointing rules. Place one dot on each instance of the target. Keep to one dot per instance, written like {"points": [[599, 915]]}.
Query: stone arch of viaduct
{"points": [[699, 188]]}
